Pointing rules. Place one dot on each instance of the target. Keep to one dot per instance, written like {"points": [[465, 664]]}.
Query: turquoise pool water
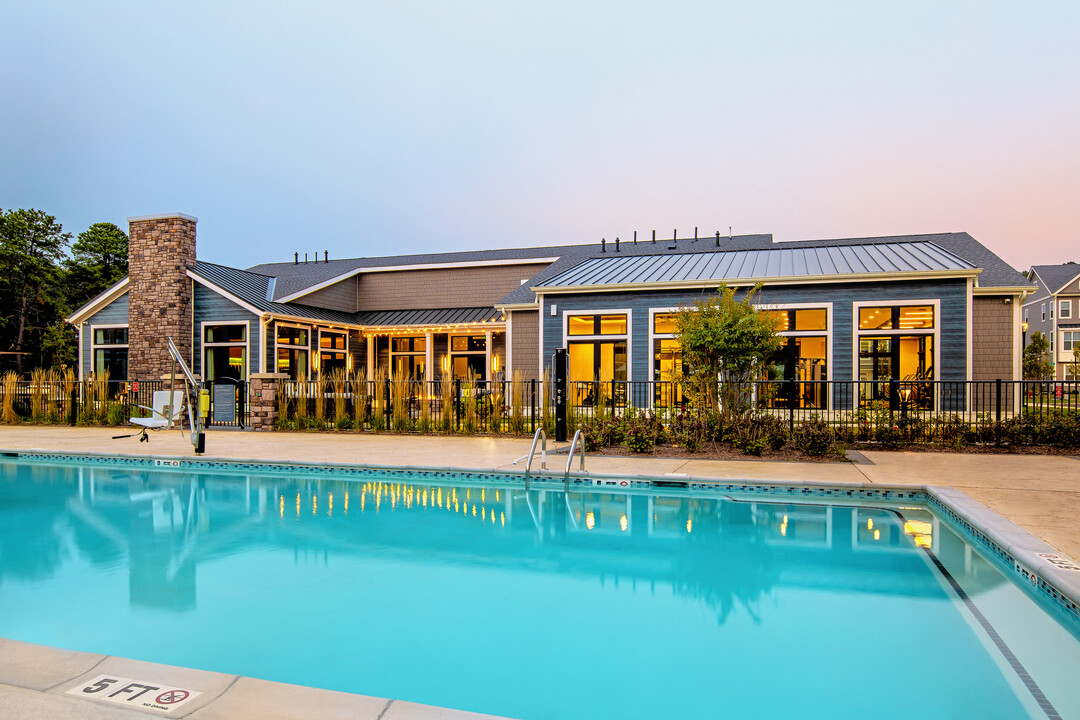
{"points": [[530, 605]]}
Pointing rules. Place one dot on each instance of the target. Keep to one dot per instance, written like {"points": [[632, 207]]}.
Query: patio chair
{"points": [[158, 418]]}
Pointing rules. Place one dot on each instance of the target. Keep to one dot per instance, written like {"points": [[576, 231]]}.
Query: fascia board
{"points": [[103, 299]]}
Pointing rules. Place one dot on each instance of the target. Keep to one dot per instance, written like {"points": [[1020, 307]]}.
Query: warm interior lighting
{"points": [[877, 534], [870, 524], [590, 520], [623, 523]]}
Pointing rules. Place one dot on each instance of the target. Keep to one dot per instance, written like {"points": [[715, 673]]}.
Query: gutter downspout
{"points": [[264, 321]]}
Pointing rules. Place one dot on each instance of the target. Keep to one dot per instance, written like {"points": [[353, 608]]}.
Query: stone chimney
{"points": [[160, 250]]}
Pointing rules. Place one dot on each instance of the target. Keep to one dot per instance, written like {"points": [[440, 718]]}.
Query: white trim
{"points": [[429, 355], [518, 306], [488, 371], [224, 293], [540, 344], [856, 333], [1018, 352], [969, 334], [309, 329], [94, 346], [162, 216], [1005, 290], [749, 282], [319, 350], [628, 336], [827, 333], [203, 345], [508, 372], [425, 266], [99, 302], [1065, 304], [370, 356]]}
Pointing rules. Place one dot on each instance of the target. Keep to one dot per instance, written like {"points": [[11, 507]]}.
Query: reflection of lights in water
{"points": [[346, 502], [282, 504], [330, 505], [623, 523], [877, 534], [474, 510], [378, 500], [783, 526], [493, 516], [496, 496], [425, 497], [870, 524], [439, 497], [298, 504], [689, 524], [483, 495], [468, 494], [921, 531], [314, 503], [455, 505], [363, 498], [590, 520], [502, 517]]}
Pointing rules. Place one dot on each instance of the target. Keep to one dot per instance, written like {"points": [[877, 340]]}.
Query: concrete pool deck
{"points": [[1040, 493]]}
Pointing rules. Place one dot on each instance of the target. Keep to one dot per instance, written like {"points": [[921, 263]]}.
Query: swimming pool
{"points": [[464, 590]]}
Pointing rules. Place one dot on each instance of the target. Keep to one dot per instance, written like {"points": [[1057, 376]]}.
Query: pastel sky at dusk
{"points": [[399, 127]]}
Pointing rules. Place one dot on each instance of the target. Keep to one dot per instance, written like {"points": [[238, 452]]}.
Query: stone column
{"points": [[161, 248], [264, 395]]}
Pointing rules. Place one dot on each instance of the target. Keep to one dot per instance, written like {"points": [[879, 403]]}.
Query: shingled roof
{"points": [[1055, 277]]}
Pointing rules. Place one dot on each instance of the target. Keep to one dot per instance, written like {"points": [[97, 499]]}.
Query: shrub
{"points": [[116, 414], [754, 432], [950, 431], [888, 435], [690, 430], [642, 431], [345, 423], [816, 438]]}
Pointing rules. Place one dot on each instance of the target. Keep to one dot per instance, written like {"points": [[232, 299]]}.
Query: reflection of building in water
{"points": [[722, 551]]}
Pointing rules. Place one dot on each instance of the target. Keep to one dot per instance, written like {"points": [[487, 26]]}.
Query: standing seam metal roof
{"points": [[870, 259]]}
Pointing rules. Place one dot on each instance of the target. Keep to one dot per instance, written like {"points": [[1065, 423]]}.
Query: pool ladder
{"points": [[542, 437]]}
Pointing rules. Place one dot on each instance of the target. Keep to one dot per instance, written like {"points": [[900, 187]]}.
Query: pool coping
{"points": [[1036, 565]]}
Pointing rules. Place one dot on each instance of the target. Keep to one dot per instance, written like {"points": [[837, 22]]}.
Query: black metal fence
{"points": [[856, 409], [110, 402]]}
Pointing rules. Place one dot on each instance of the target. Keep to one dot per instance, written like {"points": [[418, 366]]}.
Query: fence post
{"points": [[73, 409], [386, 405], [997, 400], [457, 404], [612, 397]]}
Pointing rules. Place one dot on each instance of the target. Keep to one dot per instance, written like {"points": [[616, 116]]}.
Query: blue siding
{"points": [[210, 308], [952, 295], [115, 313]]}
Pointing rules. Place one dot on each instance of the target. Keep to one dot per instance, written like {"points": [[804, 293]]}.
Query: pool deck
{"points": [[1040, 493]]}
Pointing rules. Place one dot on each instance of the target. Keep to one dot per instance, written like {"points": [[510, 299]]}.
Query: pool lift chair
{"points": [[169, 405]]}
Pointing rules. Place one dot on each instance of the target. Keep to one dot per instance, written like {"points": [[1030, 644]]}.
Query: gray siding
{"points": [[953, 317], [210, 308], [115, 313], [339, 296], [991, 339], [526, 340], [445, 288]]}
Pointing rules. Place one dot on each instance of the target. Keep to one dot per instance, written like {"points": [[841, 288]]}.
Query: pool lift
{"points": [[169, 414]]}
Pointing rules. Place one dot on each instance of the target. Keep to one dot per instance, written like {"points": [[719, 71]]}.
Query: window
{"points": [[333, 352], [1070, 341], [293, 347], [468, 357], [803, 359], [596, 325], [1065, 309], [1051, 310], [109, 351], [1025, 314], [1044, 312], [408, 358], [225, 351], [896, 351], [667, 360], [597, 352]]}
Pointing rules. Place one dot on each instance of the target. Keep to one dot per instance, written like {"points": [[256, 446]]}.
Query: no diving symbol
{"points": [[172, 697]]}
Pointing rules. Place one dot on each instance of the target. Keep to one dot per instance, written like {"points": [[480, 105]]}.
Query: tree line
{"points": [[44, 277]]}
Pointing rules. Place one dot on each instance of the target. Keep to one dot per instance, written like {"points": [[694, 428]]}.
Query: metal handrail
{"points": [[543, 453], [570, 458]]}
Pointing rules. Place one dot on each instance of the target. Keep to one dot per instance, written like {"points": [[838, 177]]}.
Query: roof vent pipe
{"points": [[326, 256], [717, 238], [695, 233], [296, 258], [305, 258], [635, 237], [616, 244], [603, 245], [654, 237]]}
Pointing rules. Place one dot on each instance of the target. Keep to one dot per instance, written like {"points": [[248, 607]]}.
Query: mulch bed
{"points": [[790, 454]]}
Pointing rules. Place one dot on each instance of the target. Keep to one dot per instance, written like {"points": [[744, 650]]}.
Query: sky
{"points": [[368, 129]]}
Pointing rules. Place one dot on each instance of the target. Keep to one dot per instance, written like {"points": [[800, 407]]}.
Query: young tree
{"points": [[725, 344], [99, 259], [32, 244], [1037, 365]]}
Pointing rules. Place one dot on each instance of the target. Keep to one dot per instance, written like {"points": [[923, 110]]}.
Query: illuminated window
{"points": [[292, 351], [225, 351], [596, 325], [665, 323], [903, 317]]}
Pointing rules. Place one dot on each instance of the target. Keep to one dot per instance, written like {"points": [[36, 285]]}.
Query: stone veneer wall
{"points": [[160, 250], [264, 390]]}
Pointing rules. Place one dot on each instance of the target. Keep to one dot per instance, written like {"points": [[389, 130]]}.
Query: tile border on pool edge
{"points": [[1000, 537]]}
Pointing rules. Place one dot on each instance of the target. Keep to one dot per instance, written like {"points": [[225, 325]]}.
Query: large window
{"points": [[293, 348], [333, 352], [803, 358], [667, 360], [110, 352], [597, 351], [1070, 341], [225, 351], [468, 357], [408, 357], [896, 354]]}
